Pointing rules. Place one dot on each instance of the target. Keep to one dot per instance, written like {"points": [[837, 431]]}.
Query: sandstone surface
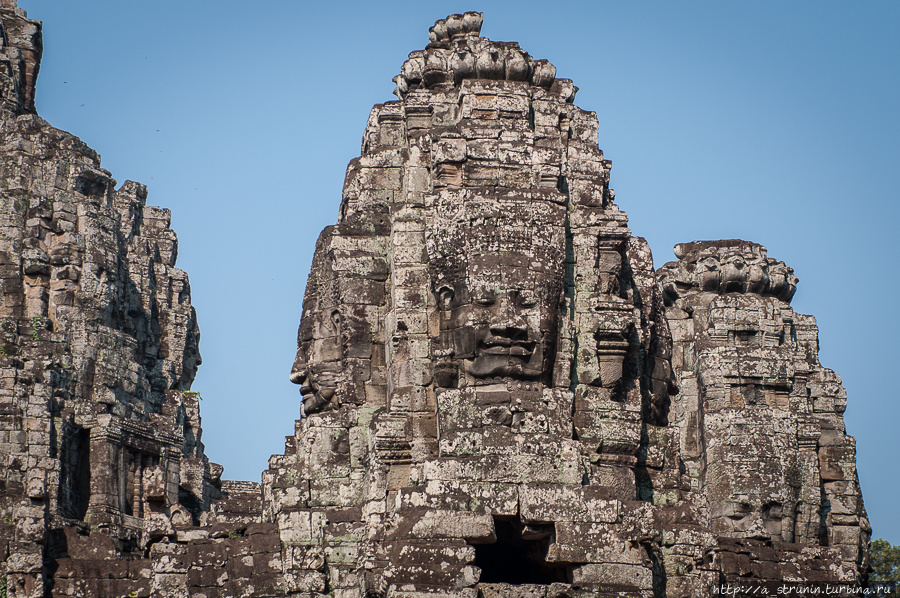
{"points": [[501, 397]]}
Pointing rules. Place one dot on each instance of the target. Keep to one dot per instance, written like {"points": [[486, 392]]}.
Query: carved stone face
{"points": [[496, 265], [496, 325], [757, 274], [317, 366], [782, 281], [709, 273], [741, 519], [733, 274], [754, 479], [501, 335], [744, 270]]}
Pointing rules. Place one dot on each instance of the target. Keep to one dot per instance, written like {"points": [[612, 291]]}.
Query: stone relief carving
{"points": [[717, 267], [498, 291], [763, 470], [500, 396], [530, 351]]}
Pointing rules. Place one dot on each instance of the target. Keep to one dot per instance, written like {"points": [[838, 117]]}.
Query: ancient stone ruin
{"points": [[501, 397]]}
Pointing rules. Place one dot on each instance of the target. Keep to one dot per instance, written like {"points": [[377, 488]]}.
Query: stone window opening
{"points": [[743, 338], [75, 472], [519, 555]]}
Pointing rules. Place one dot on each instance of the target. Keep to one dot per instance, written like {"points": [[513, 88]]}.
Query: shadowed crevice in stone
{"points": [[519, 555]]}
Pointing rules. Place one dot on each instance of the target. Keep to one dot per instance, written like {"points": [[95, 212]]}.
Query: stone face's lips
{"points": [[308, 389], [503, 346]]}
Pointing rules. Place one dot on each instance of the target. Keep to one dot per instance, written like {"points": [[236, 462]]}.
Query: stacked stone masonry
{"points": [[501, 398]]}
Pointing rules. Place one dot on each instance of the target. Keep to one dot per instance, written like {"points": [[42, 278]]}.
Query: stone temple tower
{"points": [[485, 358]]}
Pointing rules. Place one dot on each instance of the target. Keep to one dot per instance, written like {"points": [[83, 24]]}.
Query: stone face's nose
{"points": [[507, 322], [299, 370], [757, 529]]}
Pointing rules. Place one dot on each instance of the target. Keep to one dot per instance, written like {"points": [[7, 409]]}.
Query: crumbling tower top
{"points": [[456, 26], [456, 52]]}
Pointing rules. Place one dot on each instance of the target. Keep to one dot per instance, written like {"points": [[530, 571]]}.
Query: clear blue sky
{"points": [[770, 121]]}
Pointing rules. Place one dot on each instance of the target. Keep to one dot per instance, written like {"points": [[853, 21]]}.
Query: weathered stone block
{"points": [[635, 576], [557, 502], [170, 558]]}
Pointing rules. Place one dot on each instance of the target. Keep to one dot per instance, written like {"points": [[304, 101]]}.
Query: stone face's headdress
{"points": [[729, 266], [457, 53]]}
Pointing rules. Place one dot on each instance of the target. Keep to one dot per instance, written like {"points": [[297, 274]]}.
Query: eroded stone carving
{"points": [[20, 54], [727, 267], [500, 396], [755, 404], [101, 442], [508, 340], [518, 393], [457, 53], [498, 309]]}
